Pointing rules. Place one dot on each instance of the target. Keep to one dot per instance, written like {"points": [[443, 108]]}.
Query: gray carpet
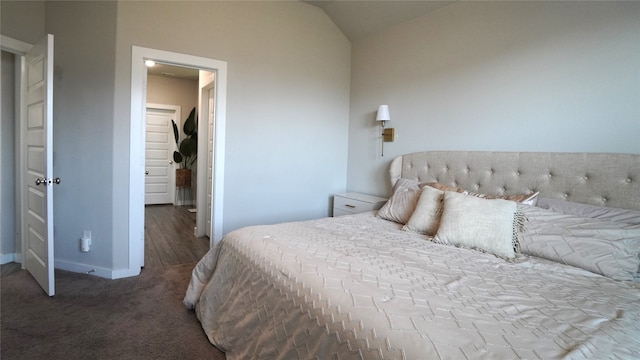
{"points": [[94, 318]]}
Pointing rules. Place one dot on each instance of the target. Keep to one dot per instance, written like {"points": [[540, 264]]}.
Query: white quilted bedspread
{"points": [[357, 287]]}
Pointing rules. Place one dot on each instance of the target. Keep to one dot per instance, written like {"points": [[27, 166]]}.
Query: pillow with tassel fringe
{"points": [[488, 225]]}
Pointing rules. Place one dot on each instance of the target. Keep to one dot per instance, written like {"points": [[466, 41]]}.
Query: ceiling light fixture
{"points": [[149, 63]]}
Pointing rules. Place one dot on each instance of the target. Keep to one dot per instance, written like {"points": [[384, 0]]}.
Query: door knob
{"points": [[146, 172], [40, 181]]}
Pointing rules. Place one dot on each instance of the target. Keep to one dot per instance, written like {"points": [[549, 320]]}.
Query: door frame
{"points": [[207, 85], [136, 142], [18, 48]]}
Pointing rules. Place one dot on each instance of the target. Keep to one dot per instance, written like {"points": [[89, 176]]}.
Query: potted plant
{"points": [[187, 152]]}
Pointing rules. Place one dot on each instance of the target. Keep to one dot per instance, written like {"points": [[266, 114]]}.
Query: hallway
{"points": [[169, 238]]}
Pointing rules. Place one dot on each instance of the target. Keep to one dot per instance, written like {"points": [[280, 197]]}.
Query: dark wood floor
{"points": [[169, 238]]}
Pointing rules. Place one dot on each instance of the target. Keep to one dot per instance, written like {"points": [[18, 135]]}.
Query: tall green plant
{"points": [[187, 152]]}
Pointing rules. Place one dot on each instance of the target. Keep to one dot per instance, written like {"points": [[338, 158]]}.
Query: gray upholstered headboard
{"points": [[592, 178]]}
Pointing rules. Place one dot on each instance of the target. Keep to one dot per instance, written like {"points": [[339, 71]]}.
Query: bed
{"points": [[476, 255]]}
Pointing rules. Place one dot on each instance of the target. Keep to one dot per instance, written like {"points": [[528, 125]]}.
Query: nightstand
{"points": [[354, 203]]}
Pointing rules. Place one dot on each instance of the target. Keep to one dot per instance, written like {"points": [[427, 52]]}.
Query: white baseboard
{"points": [[8, 258], [82, 268], [124, 273], [95, 270], [78, 268]]}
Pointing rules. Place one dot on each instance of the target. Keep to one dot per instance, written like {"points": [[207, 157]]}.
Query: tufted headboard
{"points": [[592, 178]]}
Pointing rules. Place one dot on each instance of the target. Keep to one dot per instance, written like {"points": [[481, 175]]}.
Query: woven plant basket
{"points": [[183, 178]]}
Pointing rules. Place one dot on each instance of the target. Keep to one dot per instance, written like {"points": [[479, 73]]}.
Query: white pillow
{"points": [[401, 204], [600, 246], [426, 217], [489, 225], [625, 216]]}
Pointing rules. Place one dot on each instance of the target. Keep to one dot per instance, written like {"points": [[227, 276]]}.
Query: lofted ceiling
{"points": [[358, 19]]}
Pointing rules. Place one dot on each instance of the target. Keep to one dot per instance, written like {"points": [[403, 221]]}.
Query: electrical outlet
{"points": [[85, 242]]}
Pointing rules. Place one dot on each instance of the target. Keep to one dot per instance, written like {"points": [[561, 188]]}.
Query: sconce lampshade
{"points": [[383, 113]]}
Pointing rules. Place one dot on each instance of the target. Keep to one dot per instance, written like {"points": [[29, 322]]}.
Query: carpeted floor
{"points": [[93, 318]]}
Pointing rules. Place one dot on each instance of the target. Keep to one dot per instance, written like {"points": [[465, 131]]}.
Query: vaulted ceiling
{"points": [[361, 18], [357, 19]]}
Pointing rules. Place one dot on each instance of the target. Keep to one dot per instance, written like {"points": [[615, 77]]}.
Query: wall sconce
{"points": [[388, 134]]}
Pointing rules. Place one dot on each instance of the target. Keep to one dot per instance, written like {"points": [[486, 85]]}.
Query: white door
{"points": [[38, 167], [159, 147]]}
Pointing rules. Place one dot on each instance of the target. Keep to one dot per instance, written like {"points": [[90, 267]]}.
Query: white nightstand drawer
{"points": [[354, 203], [351, 205], [338, 212]]}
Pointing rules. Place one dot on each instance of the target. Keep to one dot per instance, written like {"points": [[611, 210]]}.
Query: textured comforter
{"points": [[357, 287]]}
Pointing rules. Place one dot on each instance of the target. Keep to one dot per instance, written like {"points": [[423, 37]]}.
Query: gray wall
{"points": [[510, 76], [173, 91], [84, 65], [23, 20], [7, 159]]}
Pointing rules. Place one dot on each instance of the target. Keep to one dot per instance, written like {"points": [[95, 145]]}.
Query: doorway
{"points": [[9, 228], [171, 93], [137, 148]]}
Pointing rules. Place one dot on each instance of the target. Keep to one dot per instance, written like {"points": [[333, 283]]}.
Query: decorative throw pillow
{"points": [[488, 225], [426, 217], [444, 187], [528, 199], [401, 204]]}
